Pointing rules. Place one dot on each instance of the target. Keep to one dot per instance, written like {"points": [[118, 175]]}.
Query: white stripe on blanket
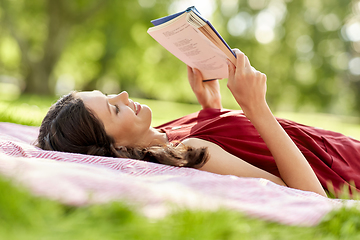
{"points": [[157, 189]]}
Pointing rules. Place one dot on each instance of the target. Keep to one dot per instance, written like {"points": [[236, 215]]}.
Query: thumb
{"points": [[231, 68]]}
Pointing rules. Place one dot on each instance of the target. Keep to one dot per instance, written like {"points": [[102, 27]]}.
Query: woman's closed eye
{"points": [[117, 109]]}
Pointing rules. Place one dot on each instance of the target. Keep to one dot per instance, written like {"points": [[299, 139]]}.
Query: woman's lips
{"points": [[138, 108]]}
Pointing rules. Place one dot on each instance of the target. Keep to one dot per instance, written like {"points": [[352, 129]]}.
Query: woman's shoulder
{"points": [[198, 142]]}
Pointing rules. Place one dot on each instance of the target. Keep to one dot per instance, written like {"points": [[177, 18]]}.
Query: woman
{"points": [[252, 143]]}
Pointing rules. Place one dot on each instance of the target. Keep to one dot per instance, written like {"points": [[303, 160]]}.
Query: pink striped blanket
{"points": [[156, 189]]}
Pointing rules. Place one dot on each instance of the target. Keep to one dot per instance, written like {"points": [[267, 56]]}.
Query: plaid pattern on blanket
{"points": [[156, 189]]}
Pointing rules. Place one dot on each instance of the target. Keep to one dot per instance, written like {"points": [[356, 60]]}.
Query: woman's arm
{"points": [[222, 162], [207, 93], [248, 86]]}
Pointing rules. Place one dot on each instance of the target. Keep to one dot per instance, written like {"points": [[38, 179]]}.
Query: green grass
{"points": [[26, 110], [24, 216]]}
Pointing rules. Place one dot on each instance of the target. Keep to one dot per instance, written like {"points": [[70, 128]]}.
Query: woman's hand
{"points": [[207, 93], [247, 85]]}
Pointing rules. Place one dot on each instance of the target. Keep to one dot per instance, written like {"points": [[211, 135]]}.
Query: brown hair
{"points": [[71, 127]]}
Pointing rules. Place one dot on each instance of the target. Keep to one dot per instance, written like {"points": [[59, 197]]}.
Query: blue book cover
{"points": [[162, 20]]}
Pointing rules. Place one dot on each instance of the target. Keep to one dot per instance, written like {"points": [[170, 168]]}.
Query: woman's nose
{"points": [[122, 97]]}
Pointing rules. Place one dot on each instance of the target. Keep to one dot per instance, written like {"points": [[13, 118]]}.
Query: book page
{"points": [[210, 32], [190, 45]]}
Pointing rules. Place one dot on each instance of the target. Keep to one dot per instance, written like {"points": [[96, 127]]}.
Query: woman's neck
{"points": [[157, 137], [150, 138]]}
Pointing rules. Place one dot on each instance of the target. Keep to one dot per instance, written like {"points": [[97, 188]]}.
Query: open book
{"points": [[193, 40]]}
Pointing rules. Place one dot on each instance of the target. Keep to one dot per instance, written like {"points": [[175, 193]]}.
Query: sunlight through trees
{"points": [[309, 49]]}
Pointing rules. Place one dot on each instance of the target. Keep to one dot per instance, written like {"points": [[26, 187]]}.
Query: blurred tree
{"points": [[309, 49], [351, 34], [113, 52], [84, 44], [41, 30]]}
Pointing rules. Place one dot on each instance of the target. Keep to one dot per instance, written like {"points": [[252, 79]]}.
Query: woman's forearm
{"points": [[292, 165]]}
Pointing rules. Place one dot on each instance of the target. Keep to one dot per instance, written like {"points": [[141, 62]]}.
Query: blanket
{"points": [[77, 179]]}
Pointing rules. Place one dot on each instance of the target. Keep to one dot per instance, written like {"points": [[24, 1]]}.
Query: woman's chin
{"points": [[145, 111]]}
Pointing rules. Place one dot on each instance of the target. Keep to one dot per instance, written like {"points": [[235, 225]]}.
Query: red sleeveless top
{"points": [[333, 156]]}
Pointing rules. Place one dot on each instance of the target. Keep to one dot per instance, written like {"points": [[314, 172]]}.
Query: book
{"points": [[193, 39]]}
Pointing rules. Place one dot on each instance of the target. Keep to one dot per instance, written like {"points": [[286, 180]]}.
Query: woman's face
{"points": [[124, 120]]}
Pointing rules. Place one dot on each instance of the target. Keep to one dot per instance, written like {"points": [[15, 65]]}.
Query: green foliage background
{"points": [[52, 47]]}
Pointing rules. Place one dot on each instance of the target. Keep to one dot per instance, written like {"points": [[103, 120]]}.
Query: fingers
{"points": [[240, 58], [247, 63], [236, 50], [190, 72], [194, 74], [195, 79], [242, 63], [231, 68], [243, 78]]}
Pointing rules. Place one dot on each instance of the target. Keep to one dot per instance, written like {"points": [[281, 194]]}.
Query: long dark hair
{"points": [[71, 127]]}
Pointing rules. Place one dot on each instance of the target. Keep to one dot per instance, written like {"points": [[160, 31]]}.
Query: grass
{"points": [[24, 216]]}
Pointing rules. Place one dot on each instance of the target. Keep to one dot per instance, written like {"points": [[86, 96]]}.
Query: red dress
{"points": [[333, 156]]}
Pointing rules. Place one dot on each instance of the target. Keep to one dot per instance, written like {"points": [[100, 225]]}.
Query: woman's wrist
{"points": [[217, 106], [211, 104], [256, 111]]}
